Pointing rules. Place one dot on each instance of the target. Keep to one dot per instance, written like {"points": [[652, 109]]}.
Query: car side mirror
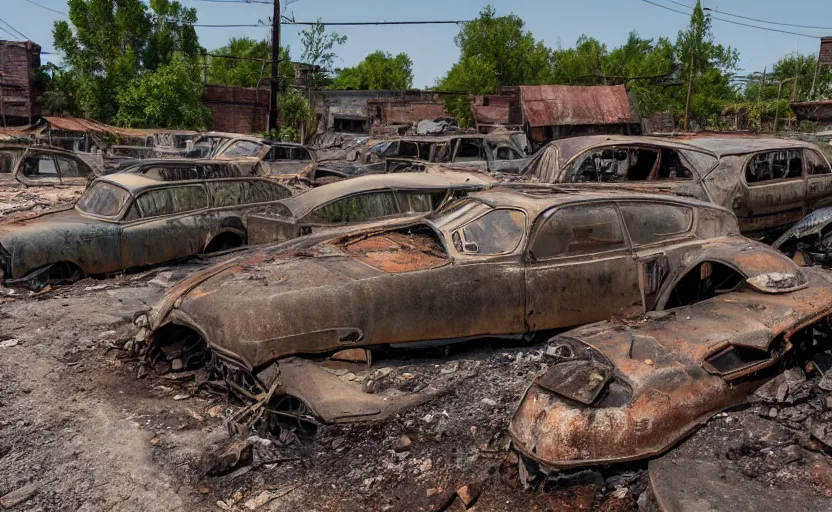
{"points": [[471, 247]]}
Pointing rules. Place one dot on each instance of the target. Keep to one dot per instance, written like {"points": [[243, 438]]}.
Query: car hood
{"points": [[67, 222], [658, 377]]}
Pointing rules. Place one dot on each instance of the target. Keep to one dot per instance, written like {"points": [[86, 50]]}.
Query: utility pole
{"points": [[691, 72], [275, 57]]}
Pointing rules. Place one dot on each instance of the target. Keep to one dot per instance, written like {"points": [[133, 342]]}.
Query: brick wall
{"points": [[825, 55], [237, 109], [19, 62]]}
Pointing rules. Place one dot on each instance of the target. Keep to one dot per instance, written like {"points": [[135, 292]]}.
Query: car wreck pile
{"points": [[592, 306]]}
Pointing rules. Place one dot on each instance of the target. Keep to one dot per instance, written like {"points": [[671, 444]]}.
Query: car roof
{"points": [[49, 149], [136, 182], [716, 146], [302, 204], [534, 199]]}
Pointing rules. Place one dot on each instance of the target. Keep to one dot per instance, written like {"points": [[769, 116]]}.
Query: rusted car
{"points": [[502, 263], [768, 183], [619, 391], [134, 219], [282, 160], [361, 200], [40, 165]]}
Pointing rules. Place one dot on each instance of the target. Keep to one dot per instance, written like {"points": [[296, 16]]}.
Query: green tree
{"points": [[169, 97], [294, 112], [107, 44], [317, 45], [500, 46], [377, 71], [495, 51], [706, 68], [251, 66]]}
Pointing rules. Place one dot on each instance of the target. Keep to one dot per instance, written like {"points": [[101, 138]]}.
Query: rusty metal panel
{"points": [[491, 114], [560, 105]]}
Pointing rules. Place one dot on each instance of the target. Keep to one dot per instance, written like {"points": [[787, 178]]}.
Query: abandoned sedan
{"points": [[618, 391], [768, 183], [360, 200], [506, 262], [134, 219], [38, 165], [281, 160]]}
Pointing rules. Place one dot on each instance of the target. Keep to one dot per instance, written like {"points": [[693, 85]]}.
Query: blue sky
{"points": [[432, 48]]}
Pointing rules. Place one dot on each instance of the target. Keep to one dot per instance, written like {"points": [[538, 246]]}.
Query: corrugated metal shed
{"points": [[561, 105], [82, 125]]}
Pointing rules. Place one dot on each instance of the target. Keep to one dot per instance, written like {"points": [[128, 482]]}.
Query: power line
{"points": [[47, 8], [11, 27], [756, 19], [360, 23], [734, 22]]}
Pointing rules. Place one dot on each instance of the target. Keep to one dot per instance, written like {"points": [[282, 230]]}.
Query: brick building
{"points": [[19, 64], [237, 109]]}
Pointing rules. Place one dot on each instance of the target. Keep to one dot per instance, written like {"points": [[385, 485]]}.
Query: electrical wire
{"points": [[735, 22], [48, 8], [756, 19], [11, 27]]}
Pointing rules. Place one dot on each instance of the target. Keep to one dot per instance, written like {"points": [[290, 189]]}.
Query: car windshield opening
{"points": [[103, 199]]}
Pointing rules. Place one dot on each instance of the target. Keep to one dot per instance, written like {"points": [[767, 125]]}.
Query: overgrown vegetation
{"points": [[377, 71]]}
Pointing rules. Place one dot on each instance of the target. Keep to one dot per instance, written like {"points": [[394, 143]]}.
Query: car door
{"points": [[656, 232], [774, 191], [470, 152], [580, 268], [818, 180], [480, 294], [164, 224], [72, 171]]}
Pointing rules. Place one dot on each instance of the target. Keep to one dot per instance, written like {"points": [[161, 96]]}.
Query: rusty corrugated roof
{"points": [[558, 105], [80, 124], [491, 114]]}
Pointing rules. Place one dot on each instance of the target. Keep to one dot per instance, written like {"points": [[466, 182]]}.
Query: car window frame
{"points": [[117, 218], [806, 163], [779, 181], [142, 216], [309, 221], [689, 234], [552, 211], [459, 229]]}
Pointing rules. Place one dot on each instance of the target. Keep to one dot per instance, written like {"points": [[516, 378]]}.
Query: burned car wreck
{"points": [[41, 165], [768, 183], [624, 390], [505, 263], [160, 212], [361, 200]]}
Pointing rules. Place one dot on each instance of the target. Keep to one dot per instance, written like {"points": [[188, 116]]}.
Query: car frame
{"points": [[113, 228], [361, 200], [720, 170], [404, 283], [59, 166]]}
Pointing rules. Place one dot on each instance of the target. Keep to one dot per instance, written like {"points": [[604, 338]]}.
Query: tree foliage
{"points": [[108, 45], [378, 71], [169, 97], [317, 45], [245, 62]]}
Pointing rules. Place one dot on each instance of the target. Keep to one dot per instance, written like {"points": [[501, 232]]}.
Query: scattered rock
{"points": [[403, 444], [182, 397], [260, 500], [356, 355], [469, 494], [18, 496], [489, 402], [9, 343], [620, 493], [426, 465]]}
